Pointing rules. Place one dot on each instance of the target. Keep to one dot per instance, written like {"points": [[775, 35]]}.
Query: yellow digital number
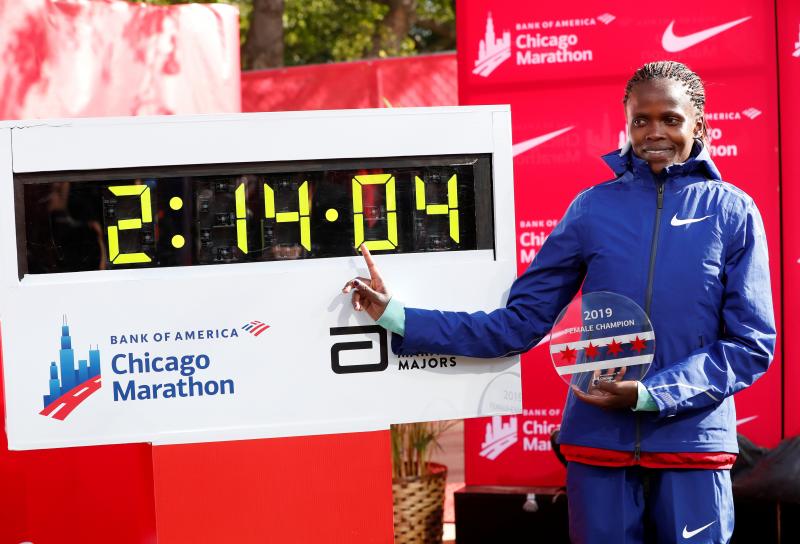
{"points": [[143, 192], [391, 211], [450, 209], [302, 215], [241, 218]]}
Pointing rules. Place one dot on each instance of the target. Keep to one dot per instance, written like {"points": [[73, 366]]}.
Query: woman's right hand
{"points": [[369, 294]]}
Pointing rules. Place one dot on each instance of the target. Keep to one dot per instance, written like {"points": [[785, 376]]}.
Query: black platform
{"points": [[495, 515], [489, 514]]}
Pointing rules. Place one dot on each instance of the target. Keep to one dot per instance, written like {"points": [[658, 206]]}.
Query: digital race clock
{"points": [[178, 279], [198, 215]]}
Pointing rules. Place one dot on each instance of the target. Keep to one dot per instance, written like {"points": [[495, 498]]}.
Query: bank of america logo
{"points": [[797, 46], [605, 18], [752, 113], [75, 385], [499, 437], [492, 51], [255, 327]]}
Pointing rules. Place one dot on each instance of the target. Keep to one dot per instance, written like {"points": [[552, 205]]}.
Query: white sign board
{"points": [[177, 340]]}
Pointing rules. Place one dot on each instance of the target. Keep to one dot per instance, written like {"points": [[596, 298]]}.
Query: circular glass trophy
{"points": [[601, 336]]}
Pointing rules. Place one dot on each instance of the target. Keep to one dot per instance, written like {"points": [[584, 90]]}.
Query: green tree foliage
{"points": [[340, 30], [435, 27], [318, 31]]}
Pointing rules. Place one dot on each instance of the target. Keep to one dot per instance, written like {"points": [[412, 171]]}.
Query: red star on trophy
{"points": [[591, 351], [614, 348], [568, 355], [638, 345]]}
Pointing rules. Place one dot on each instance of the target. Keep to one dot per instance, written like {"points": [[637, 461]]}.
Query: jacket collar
{"points": [[699, 163]]}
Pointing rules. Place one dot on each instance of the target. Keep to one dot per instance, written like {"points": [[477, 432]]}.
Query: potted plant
{"points": [[418, 485]]}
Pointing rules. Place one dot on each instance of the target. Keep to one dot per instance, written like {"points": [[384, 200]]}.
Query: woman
{"points": [[690, 249]]}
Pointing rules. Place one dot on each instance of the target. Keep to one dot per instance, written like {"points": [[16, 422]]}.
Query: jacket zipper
{"points": [[637, 451], [653, 249]]}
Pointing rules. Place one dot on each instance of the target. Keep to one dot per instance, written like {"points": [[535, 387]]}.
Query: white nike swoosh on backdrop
{"points": [[673, 43], [527, 145], [745, 420], [680, 222], [690, 534]]}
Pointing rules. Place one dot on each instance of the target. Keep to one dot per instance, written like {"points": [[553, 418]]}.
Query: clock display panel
{"points": [[214, 214]]}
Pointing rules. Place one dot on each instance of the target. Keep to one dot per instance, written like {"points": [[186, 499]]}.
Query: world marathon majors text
{"points": [[421, 361]]}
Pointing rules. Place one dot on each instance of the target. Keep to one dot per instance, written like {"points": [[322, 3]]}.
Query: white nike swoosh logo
{"points": [[745, 420], [673, 43], [527, 145], [690, 534], [679, 222]]}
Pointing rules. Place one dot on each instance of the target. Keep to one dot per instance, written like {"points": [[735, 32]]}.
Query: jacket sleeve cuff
{"points": [[644, 402], [394, 317], [667, 407]]}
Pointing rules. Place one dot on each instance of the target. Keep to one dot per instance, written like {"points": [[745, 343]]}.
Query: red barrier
{"points": [[789, 65], [426, 80], [563, 69]]}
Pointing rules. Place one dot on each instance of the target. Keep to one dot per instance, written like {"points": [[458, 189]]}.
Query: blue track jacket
{"points": [[705, 285]]}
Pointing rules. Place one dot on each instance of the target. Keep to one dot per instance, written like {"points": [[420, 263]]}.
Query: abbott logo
{"points": [[492, 51], [354, 367], [499, 437]]}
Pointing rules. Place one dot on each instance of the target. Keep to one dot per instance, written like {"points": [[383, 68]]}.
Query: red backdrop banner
{"points": [[789, 65], [563, 68], [426, 80], [72, 58]]}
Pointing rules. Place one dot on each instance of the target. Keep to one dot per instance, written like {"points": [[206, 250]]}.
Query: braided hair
{"points": [[676, 71]]}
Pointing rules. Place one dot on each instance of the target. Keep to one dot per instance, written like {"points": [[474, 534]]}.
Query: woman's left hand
{"points": [[610, 395], [369, 294]]}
